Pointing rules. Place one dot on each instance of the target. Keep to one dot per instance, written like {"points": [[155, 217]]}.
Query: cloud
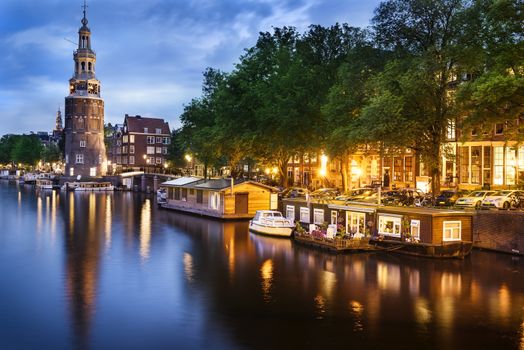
{"points": [[150, 54]]}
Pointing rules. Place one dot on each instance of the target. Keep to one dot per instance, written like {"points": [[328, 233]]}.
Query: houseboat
{"points": [[408, 230], [94, 186], [271, 223], [44, 184], [424, 232], [219, 198]]}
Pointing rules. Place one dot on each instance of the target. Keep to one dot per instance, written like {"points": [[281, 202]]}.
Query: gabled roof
{"points": [[181, 181], [138, 123]]}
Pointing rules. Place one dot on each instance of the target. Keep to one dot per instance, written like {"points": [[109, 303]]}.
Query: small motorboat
{"points": [[272, 223], [161, 196]]}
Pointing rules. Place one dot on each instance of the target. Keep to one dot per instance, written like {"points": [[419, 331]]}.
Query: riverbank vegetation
{"points": [[421, 66]]}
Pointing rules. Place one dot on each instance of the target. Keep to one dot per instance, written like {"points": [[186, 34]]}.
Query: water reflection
{"points": [[145, 230], [213, 280], [266, 272]]}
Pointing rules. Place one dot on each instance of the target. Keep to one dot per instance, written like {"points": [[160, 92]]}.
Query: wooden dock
{"points": [[337, 244]]}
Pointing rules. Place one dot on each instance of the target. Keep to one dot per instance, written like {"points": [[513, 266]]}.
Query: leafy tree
{"points": [[7, 144], [414, 88], [51, 153], [27, 150]]}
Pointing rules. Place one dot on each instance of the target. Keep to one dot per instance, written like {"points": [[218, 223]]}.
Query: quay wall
{"points": [[499, 230]]}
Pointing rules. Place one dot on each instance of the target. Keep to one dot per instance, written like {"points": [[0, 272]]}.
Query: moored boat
{"points": [[271, 222], [44, 184], [94, 186]]}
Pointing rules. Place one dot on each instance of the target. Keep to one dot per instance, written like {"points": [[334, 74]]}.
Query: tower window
{"points": [[83, 66], [89, 66]]}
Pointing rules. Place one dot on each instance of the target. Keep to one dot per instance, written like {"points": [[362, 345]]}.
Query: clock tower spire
{"points": [[84, 112]]}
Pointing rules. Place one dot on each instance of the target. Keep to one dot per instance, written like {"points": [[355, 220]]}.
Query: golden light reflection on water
{"points": [[422, 312], [266, 272], [388, 277], [71, 212], [451, 284], [230, 247], [522, 336], [91, 221], [145, 230], [327, 283], [188, 267], [53, 214], [320, 307], [414, 282], [357, 309], [504, 302], [38, 214], [108, 221], [19, 199]]}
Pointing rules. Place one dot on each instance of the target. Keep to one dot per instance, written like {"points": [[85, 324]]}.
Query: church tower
{"points": [[84, 113], [58, 121]]}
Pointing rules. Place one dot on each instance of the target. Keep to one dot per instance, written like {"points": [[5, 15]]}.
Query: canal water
{"points": [[111, 271]]}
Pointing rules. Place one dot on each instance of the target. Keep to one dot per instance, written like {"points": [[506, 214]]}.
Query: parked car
{"points": [[447, 198], [294, 192], [504, 200], [402, 197], [474, 199], [325, 193], [356, 194]]}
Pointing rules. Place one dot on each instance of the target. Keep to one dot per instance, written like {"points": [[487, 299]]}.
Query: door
{"points": [[241, 203]]}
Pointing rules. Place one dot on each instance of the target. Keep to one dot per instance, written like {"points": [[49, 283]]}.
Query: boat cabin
{"points": [[220, 198]]}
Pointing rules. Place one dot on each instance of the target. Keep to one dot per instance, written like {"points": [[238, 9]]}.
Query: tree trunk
{"points": [[344, 172]]}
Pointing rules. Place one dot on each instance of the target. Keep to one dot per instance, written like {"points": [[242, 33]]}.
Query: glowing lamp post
{"points": [[189, 159], [323, 167]]}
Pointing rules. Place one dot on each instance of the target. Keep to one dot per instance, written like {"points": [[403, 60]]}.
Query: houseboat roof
{"points": [[217, 184], [181, 181]]}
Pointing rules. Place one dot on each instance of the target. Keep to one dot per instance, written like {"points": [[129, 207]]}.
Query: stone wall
{"points": [[499, 230]]}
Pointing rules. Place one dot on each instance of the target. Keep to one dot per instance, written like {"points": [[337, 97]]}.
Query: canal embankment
{"points": [[497, 230]]}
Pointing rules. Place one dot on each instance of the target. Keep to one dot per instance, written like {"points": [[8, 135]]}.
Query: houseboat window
{"points": [[200, 197], [184, 194], [334, 217], [214, 199], [290, 212], [177, 194], [192, 191], [318, 216], [415, 229], [389, 225], [452, 231], [304, 215], [355, 222]]}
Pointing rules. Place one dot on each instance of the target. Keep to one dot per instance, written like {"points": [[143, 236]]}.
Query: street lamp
{"points": [[188, 158]]}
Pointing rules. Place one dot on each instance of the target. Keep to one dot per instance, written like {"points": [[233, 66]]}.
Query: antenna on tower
{"points": [[85, 8]]}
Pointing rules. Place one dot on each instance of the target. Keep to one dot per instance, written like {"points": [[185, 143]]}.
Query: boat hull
{"points": [[448, 250], [99, 189], [271, 230]]}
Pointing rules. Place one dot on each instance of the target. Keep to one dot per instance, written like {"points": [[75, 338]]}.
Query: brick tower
{"points": [[84, 113]]}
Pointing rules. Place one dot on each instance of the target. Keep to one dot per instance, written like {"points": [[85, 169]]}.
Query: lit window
{"points": [[132, 149], [124, 138], [150, 150], [452, 231], [92, 171], [158, 131], [214, 200], [355, 222], [334, 217], [159, 150], [389, 225], [131, 138], [415, 229], [159, 160], [82, 143], [304, 215], [146, 130], [71, 171], [290, 212], [131, 159], [318, 216]]}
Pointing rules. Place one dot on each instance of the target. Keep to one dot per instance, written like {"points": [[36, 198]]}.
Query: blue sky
{"points": [[150, 53]]}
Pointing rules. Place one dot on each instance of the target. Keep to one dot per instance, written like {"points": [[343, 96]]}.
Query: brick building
{"points": [[141, 143]]}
